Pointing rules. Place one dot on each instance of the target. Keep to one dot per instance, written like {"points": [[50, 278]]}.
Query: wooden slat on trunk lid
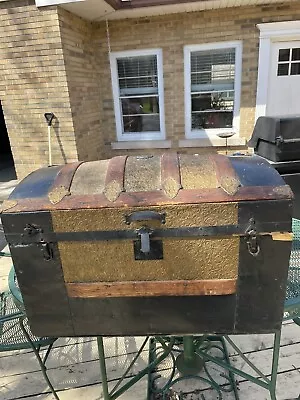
{"points": [[62, 183], [170, 174], [226, 175], [114, 181], [245, 193], [89, 178]]}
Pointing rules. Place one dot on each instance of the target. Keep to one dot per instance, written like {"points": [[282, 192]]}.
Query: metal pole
{"points": [[189, 362], [49, 145], [188, 349], [103, 368]]}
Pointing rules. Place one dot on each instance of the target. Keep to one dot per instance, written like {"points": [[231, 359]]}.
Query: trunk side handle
{"points": [[145, 216]]}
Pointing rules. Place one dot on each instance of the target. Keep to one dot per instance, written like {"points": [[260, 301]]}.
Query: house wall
{"points": [[171, 33], [32, 82], [52, 60], [83, 72]]}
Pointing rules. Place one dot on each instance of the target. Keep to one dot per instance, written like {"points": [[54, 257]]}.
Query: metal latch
{"points": [[252, 241], [47, 251], [144, 234], [144, 248]]}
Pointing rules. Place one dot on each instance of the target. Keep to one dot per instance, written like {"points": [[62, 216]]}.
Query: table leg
{"points": [[103, 368], [275, 360]]}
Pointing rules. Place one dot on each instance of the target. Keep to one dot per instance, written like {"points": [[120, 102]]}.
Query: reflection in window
{"points": [[295, 69], [296, 55], [283, 69], [284, 55]]}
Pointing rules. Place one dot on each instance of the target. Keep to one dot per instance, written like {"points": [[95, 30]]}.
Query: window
{"points": [[138, 94], [288, 62], [212, 88]]}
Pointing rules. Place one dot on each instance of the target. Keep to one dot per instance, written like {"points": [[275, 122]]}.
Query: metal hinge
{"points": [[251, 238]]}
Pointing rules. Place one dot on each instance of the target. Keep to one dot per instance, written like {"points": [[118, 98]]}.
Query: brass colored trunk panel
{"points": [[177, 216], [113, 261], [185, 259]]}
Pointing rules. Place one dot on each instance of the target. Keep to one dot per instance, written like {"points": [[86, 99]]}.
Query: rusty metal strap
{"points": [[194, 232]]}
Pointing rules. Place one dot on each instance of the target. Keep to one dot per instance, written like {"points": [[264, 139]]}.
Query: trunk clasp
{"points": [[252, 241]]}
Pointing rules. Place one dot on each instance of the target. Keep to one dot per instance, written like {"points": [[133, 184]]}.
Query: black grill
{"points": [[277, 139]]}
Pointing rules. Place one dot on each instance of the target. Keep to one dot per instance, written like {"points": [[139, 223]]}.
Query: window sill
{"points": [[213, 141], [142, 144]]}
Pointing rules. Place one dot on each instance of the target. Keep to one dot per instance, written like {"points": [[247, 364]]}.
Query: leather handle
{"points": [[145, 216]]}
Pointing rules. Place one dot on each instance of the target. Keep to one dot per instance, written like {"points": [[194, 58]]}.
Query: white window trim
{"points": [[269, 33], [204, 133], [117, 105]]}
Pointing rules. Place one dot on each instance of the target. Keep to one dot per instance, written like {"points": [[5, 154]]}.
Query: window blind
{"points": [[138, 75], [213, 70]]}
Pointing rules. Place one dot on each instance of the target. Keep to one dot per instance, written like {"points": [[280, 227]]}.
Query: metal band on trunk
{"points": [[203, 231]]}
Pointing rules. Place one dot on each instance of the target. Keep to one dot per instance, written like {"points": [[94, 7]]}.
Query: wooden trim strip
{"points": [[170, 174], [62, 183], [114, 180], [282, 236], [226, 174], [212, 287], [157, 198]]}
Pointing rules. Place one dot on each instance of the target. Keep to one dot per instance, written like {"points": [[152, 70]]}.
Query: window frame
{"points": [[204, 133], [137, 136]]}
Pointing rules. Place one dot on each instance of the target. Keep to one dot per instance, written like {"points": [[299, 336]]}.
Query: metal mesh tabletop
{"points": [[293, 281], [11, 336]]}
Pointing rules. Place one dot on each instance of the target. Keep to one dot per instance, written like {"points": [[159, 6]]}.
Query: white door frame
{"points": [[270, 33]]}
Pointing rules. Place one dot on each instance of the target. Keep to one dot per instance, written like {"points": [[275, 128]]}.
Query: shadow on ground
{"points": [[7, 169], [8, 178]]}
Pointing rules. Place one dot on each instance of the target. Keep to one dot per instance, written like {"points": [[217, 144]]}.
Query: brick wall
{"points": [[52, 60], [171, 33], [33, 81], [81, 55]]}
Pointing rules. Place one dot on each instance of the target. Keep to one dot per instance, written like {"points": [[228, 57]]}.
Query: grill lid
{"points": [[276, 130]]}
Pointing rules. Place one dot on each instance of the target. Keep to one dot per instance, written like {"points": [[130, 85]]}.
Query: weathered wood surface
{"points": [[159, 288], [144, 199], [74, 369]]}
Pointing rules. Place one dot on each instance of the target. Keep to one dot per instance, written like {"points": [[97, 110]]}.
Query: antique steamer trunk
{"points": [[171, 244]]}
